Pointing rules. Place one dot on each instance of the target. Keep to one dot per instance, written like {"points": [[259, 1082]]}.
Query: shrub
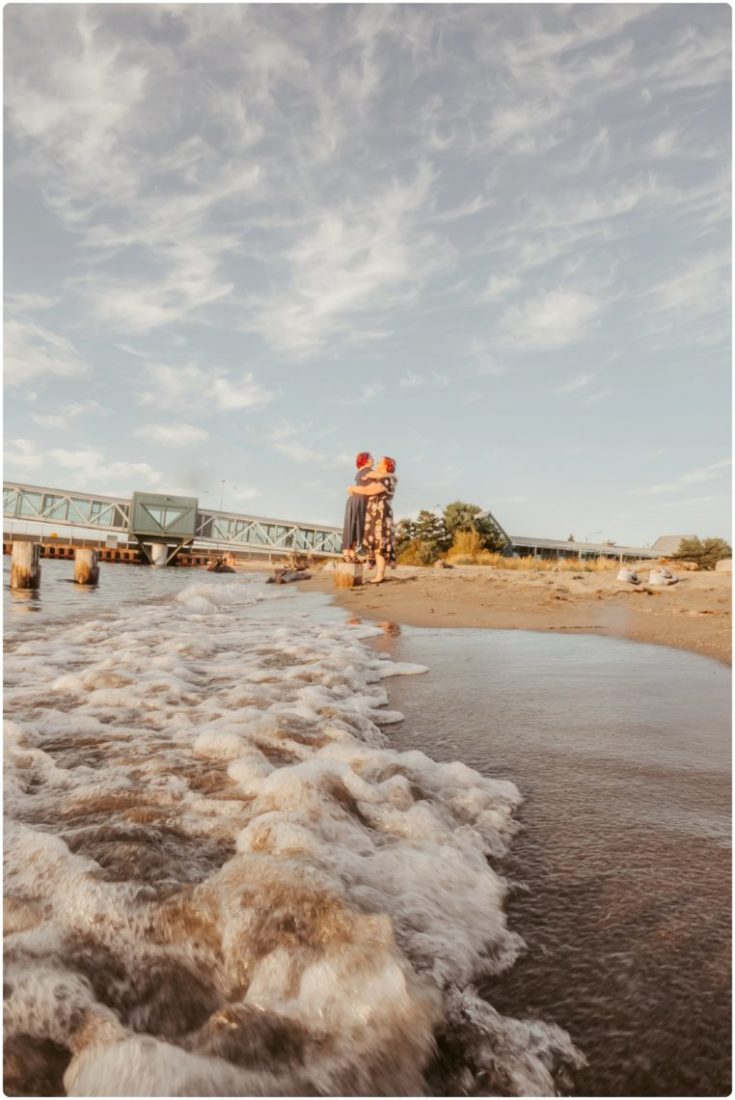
{"points": [[706, 554], [468, 548], [418, 552]]}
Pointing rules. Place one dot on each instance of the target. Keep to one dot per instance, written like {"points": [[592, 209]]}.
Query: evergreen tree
{"points": [[405, 534], [432, 530]]}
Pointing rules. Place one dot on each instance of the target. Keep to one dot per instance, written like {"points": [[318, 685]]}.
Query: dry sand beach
{"points": [[694, 614]]}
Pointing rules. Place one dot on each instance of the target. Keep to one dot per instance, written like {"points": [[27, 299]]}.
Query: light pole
{"points": [[222, 484]]}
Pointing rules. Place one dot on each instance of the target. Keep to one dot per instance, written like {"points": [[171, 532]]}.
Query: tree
{"points": [[570, 538], [460, 516], [432, 529], [706, 554], [405, 534], [422, 541]]}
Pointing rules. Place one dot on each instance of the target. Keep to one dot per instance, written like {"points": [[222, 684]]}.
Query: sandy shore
{"points": [[694, 614]]}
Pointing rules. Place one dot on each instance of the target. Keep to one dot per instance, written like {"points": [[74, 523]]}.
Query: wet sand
{"points": [[694, 614]]}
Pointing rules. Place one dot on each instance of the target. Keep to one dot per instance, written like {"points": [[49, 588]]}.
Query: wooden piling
{"points": [[348, 575], [86, 567], [25, 569]]}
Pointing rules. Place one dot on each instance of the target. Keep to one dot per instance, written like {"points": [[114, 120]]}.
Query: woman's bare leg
{"points": [[380, 572]]}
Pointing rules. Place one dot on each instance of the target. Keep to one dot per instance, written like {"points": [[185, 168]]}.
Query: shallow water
{"points": [[622, 754], [220, 879], [230, 871]]}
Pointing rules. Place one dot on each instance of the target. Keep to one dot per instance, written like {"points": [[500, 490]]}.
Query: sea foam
{"points": [[221, 879]]}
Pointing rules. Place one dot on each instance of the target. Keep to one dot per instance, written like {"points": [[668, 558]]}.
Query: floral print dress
{"points": [[378, 537]]}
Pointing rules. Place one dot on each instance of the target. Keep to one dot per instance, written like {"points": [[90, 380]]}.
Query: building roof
{"points": [[583, 547], [669, 544]]}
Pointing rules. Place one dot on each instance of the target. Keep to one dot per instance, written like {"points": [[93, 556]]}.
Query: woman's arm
{"points": [[365, 490]]}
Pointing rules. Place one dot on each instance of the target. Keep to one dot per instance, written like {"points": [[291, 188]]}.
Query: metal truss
{"points": [[65, 509], [225, 530]]}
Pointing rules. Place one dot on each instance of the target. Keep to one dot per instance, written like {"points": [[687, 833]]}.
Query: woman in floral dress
{"points": [[378, 538]]}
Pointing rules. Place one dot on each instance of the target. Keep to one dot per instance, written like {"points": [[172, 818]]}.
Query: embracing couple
{"points": [[369, 515]]}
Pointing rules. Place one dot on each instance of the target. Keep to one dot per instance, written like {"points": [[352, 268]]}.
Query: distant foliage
{"points": [[417, 552], [462, 533], [422, 541], [460, 516], [706, 554]]}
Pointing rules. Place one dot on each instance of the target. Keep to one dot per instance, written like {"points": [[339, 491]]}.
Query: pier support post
{"points": [[25, 569], [86, 568], [159, 553], [348, 575]]}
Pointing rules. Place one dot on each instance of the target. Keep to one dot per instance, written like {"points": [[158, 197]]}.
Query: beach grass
{"points": [[467, 549]]}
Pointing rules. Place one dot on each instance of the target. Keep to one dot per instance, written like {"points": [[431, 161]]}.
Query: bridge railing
{"points": [[62, 508]]}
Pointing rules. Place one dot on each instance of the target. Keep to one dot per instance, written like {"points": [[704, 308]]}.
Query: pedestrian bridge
{"points": [[177, 521]]}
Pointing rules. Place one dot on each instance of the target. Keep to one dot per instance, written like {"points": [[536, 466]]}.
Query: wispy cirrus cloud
{"points": [[33, 352], [191, 386], [171, 435], [467, 204], [548, 320], [358, 259], [21, 458], [692, 477], [579, 382], [67, 418], [86, 467]]}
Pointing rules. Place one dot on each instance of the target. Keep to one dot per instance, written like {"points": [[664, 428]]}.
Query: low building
{"points": [[523, 546]]}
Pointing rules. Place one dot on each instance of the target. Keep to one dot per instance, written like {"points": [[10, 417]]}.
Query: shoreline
{"points": [[693, 615]]}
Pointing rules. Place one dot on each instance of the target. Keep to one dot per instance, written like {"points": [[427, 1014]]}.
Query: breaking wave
{"points": [[221, 880]]}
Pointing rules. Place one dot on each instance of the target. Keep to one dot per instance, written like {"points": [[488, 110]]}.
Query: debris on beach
{"points": [[662, 577], [286, 576]]}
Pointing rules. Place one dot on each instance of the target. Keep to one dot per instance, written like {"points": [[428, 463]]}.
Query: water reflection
{"points": [[25, 599]]}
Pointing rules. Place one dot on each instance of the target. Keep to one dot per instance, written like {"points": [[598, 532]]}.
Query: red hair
{"points": [[363, 459], [390, 464]]}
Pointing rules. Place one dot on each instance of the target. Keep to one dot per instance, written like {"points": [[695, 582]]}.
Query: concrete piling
{"points": [[25, 569], [86, 567], [159, 553]]}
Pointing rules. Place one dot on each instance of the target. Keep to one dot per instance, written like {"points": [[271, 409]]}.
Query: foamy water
{"points": [[221, 881]]}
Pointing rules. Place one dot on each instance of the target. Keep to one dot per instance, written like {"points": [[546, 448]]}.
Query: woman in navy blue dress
{"points": [[354, 524]]}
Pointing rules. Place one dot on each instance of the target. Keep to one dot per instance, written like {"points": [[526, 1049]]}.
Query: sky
{"points": [[244, 242]]}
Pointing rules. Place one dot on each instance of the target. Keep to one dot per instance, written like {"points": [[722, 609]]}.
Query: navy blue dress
{"points": [[355, 513]]}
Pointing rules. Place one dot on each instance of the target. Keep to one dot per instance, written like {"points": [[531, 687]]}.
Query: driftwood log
{"points": [[285, 576]]}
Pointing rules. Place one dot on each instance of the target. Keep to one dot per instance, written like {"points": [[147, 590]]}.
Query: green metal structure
{"points": [[156, 518]]}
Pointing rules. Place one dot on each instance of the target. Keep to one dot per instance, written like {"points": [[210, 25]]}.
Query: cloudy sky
{"points": [[243, 242]]}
